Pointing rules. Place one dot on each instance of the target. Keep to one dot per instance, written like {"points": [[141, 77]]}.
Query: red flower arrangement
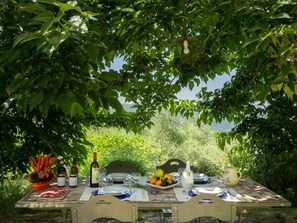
{"points": [[42, 167]]}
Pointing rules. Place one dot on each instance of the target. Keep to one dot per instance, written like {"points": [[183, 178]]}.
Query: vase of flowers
{"points": [[43, 172]]}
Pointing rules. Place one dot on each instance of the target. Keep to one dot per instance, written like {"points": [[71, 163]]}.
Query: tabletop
{"points": [[252, 194]]}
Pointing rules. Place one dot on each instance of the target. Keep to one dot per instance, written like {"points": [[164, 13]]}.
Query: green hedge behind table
{"points": [[113, 144]]}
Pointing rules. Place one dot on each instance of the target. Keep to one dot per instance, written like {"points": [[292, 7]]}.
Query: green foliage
{"points": [[12, 190], [270, 147], [34, 135], [181, 138], [113, 144], [170, 137]]}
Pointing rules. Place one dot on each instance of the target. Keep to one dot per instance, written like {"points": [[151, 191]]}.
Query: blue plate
{"points": [[193, 194], [206, 181]]}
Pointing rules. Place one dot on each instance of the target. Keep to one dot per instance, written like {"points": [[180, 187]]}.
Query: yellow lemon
{"points": [[159, 173]]}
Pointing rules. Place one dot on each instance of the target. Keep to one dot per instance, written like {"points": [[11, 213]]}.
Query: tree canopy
{"points": [[55, 57]]}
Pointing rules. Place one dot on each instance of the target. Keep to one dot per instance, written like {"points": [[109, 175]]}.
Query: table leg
{"points": [[64, 210], [240, 210]]}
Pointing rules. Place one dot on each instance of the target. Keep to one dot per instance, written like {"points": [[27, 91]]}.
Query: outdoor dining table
{"points": [[248, 194]]}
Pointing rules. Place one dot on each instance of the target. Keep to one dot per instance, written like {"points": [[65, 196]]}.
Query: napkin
{"points": [[139, 195], [86, 195], [234, 195]]}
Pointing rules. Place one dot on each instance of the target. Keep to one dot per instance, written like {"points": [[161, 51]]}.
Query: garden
{"points": [[60, 95]]}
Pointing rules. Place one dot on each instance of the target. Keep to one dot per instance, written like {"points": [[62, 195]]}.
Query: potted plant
{"points": [[43, 172]]}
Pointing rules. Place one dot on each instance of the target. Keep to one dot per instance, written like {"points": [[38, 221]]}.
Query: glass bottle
{"points": [[187, 177], [73, 174], [61, 179], [94, 172]]}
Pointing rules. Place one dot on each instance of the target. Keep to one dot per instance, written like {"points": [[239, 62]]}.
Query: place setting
{"points": [[201, 178], [194, 184]]}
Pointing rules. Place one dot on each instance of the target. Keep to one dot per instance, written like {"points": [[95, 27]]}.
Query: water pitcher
{"points": [[232, 175]]}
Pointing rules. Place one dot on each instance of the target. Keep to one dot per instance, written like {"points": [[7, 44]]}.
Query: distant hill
{"points": [[225, 126]]}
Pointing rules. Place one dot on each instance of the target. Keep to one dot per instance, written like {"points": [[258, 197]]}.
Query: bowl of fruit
{"points": [[162, 181]]}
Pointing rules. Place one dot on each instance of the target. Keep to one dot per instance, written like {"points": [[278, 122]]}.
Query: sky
{"points": [[186, 93]]}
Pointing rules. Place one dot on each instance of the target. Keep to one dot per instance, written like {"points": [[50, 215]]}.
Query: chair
{"points": [[104, 206], [196, 207], [172, 165], [119, 166]]}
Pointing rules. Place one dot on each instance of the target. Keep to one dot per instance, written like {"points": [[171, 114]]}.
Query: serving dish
{"points": [[162, 187]]}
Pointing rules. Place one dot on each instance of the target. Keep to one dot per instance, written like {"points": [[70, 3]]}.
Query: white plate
{"points": [[200, 177], [209, 190], [162, 187], [118, 176], [113, 190]]}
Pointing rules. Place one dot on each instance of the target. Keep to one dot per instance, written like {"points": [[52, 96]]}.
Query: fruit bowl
{"points": [[162, 187]]}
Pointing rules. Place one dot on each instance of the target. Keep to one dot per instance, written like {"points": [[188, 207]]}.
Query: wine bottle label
{"points": [[73, 181], [61, 181], [95, 175]]}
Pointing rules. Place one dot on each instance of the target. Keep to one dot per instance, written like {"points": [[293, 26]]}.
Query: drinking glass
{"points": [[128, 184], [102, 174], [109, 180], [135, 177], [221, 181], [180, 172]]}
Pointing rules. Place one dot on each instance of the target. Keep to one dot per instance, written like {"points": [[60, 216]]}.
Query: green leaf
{"points": [[52, 2], [57, 38], [88, 14], [281, 16], [44, 16], [75, 109], [115, 103], [44, 109], [64, 7], [250, 42], [277, 87], [44, 81], [36, 100], [64, 101], [46, 26], [191, 85], [288, 91], [33, 8], [90, 102], [92, 51], [25, 37]]}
